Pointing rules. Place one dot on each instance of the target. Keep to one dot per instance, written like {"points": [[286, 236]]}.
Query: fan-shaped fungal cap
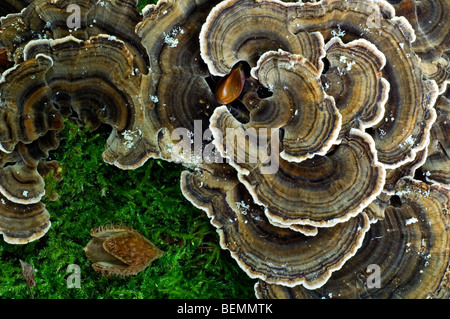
{"points": [[330, 179], [27, 111], [105, 88], [120, 250], [409, 251], [244, 30], [429, 20], [21, 183], [355, 81], [276, 255], [320, 192], [169, 32], [21, 224], [299, 105], [22, 217], [82, 19]]}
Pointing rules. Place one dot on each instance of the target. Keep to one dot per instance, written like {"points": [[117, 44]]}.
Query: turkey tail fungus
{"points": [[345, 100]]}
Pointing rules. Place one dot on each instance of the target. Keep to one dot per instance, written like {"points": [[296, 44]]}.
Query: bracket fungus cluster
{"points": [[314, 134]]}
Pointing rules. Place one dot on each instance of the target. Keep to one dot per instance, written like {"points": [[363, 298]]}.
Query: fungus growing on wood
{"points": [[92, 79], [244, 30], [21, 183], [299, 105], [370, 74], [321, 191], [20, 178], [27, 111], [411, 98], [103, 90], [409, 250], [120, 250], [43, 19], [274, 254], [45, 87], [23, 218]]}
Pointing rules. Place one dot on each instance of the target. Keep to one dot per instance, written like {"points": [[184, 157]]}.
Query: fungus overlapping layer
{"points": [[429, 21], [369, 76], [170, 32], [52, 20], [410, 101], [274, 254], [409, 247], [84, 75], [338, 109]]}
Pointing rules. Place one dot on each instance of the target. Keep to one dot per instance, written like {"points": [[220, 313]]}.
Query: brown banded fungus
{"points": [[44, 19], [321, 191], [274, 254], [22, 223], [23, 218], [47, 91], [429, 18], [370, 74], [355, 80], [244, 30], [169, 32], [410, 100], [28, 126], [94, 96], [27, 111], [409, 249], [437, 165], [93, 79], [299, 105]]}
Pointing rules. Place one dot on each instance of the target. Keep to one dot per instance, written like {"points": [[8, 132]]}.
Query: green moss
{"points": [[142, 3], [149, 199]]}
